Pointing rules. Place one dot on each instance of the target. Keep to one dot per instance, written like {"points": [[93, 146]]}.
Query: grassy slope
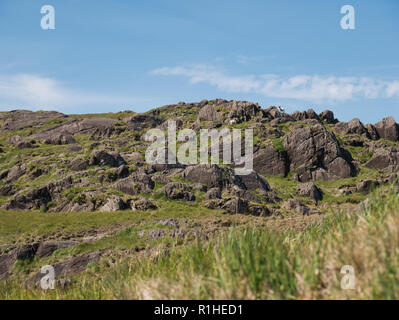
{"points": [[301, 258], [251, 262]]}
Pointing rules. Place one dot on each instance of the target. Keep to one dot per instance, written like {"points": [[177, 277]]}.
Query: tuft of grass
{"points": [[278, 145], [252, 262]]}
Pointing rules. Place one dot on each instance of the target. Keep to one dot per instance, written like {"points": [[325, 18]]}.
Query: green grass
{"points": [[278, 145], [253, 263], [21, 226], [250, 260]]}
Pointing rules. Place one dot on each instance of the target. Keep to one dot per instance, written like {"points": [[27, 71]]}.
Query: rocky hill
{"points": [[305, 164], [55, 162]]}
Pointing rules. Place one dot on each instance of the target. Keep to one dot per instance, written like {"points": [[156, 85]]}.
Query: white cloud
{"points": [[37, 92], [301, 87], [207, 74], [393, 89]]}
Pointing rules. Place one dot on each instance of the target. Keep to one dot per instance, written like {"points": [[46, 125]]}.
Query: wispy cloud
{"points": [[393, 89], [245, 59], [38, 92], [301, 87]]}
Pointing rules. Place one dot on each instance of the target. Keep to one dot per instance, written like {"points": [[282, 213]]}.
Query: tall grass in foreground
{"points": [[254, 263]]}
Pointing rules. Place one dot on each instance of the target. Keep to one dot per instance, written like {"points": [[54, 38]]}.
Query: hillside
{"points": [[77, 193]]}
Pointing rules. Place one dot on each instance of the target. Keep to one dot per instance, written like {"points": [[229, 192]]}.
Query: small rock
{"points": [[213, 193], [236, 205], [103, 158], [297, 205], [142, 204], [114, 203], [310, 190], [366, 186]]}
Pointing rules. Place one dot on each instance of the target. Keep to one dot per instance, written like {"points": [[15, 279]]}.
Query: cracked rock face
{"points": [[315, 154], [384, 160], [271, 161], [209, 113], [388, 129], [69, 266]]}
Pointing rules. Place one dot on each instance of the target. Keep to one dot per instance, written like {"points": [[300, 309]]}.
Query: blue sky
{"points": [[114, 55]]}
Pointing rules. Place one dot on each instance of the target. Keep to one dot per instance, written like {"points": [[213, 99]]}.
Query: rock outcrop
{"points": [[310, 190], [103, 158], [388, 129], [271, 161], [178, 191], [209, 113], [355, 126], [315, 154], [111, 174], [138, 182], [384, 160], [60, 139]]}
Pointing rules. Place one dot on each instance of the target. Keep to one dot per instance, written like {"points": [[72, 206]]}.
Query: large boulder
{"points": [[211, 175], [236, 205], [365, 186], [385, 160], [314, 153], [305, 115], [388, 129], [114, 203], [103, 158], [143, 121], [209, 113], [178, 191], [327, 116], [142, 204], [79, 164], [122, 171], [241, 111], [355, 126], [213, 193], [242, 194], [373, 134], [138, 182], [270, 161], [253, 181], [59, 139]]}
